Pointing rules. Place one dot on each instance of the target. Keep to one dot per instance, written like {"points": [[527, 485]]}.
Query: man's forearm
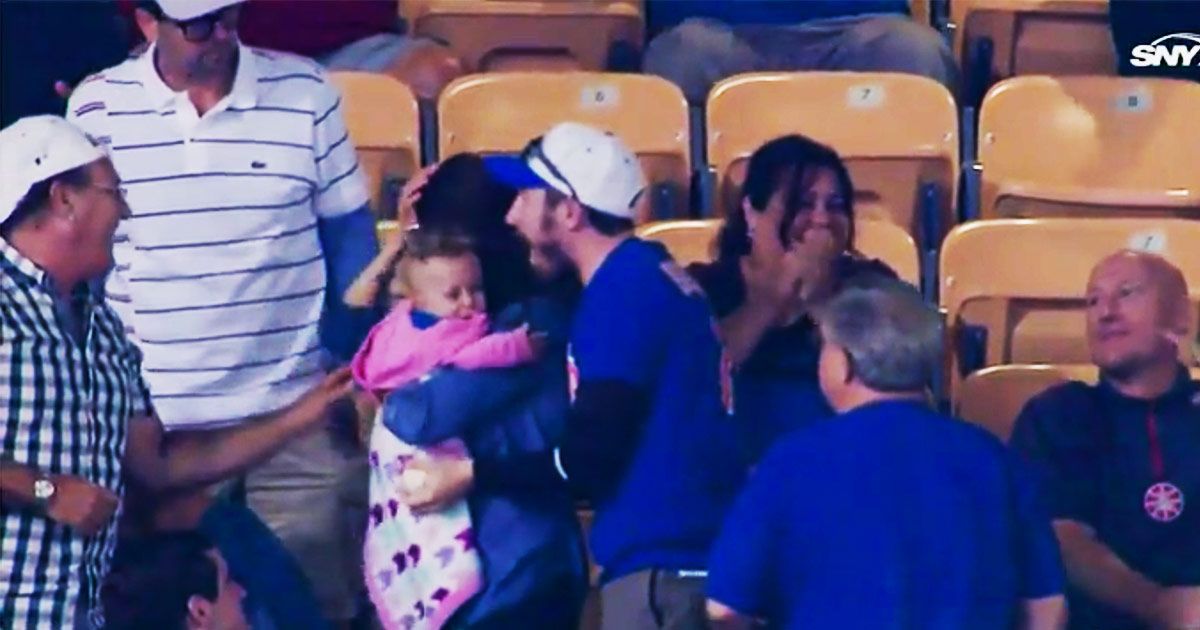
{"points": [[1100, 573], [198, 458], [16, 484]]}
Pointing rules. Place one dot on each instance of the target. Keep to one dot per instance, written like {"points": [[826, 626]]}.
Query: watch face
{"points": [[43, 489]]}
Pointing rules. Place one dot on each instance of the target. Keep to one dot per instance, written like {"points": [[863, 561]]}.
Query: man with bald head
{"points": [[1120, 461]]}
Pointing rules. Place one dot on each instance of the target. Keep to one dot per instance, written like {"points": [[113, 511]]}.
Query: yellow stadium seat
{"points": [[692, 241], [1013, 289], [993, 397], [381, 116], [502, 112], [1093, 146], [494, 35], [897, 133], [997, 39]]}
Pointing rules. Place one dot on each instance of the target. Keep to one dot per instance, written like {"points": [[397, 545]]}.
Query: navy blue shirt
{"points": [[1091, 448], [662, 14], [890, 516], [643, 321], [775, 389]]}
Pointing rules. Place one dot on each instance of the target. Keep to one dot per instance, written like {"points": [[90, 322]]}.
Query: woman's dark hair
{"points": [[39, 194], [462, 198], [153, 578], [790, 163]]}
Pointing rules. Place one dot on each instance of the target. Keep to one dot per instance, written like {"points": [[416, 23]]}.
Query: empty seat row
{"points": [[1067, 146]]}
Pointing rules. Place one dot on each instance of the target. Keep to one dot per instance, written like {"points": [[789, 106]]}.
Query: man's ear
{"points": [[572, 214], [62, 202], [750, 214], [199, 615]]}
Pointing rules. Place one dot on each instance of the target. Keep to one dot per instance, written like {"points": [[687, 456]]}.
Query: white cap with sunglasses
{"points": [[589, 165], [183, 10], [36, 148]]}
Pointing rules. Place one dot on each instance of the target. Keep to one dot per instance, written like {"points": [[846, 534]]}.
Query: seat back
{"points": [[382, 119], [1104, 146], [994, 397], [896, 132], [692, 241], [1056, 37], [1013, 289], [496, 35], [494, 113]]}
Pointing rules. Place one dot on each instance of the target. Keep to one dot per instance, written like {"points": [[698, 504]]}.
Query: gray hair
{"points": [[893, 337]]}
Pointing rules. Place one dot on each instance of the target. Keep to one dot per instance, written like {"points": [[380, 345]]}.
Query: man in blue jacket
{"points": [[696, 43], [648, 439]]}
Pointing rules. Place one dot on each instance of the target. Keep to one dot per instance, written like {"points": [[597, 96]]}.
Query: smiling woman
{"points": [[787, 246]]}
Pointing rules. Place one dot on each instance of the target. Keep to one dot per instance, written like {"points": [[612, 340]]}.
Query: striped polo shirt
{"points": [[220, 273]]}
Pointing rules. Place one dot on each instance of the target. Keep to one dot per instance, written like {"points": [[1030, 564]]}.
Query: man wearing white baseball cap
{"points": [[649, 440], [77, 411], [250, 220]]}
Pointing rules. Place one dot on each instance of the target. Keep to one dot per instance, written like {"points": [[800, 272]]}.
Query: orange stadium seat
{"points": [[692, 241], [1013, 289], [897, 133], [381, 116], [492, 35], [1072, 146], [997, 39], [993, 397], [501, 113]]}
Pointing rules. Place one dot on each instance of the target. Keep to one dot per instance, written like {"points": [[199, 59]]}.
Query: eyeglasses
{"points": [[534, 152], [117, 193], [200, 29]]}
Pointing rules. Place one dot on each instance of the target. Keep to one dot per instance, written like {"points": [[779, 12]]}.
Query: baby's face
{"points": [[447, 286]]}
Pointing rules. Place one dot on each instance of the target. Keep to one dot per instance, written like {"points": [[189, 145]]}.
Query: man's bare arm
{"points": [[197, 458]]}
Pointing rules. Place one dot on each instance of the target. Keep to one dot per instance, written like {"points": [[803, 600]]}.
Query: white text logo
{"points": [[1176, 50]]}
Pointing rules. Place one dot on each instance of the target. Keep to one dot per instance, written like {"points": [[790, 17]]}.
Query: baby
{"points": [[419, 570]]}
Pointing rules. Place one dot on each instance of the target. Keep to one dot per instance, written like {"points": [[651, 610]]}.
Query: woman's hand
{"points": [[410, 194]]}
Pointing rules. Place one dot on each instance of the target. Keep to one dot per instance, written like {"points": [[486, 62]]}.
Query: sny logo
{"points": [[1175, 50]]}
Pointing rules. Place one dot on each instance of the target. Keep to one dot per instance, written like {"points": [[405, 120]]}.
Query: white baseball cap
{"points": [[589, 165], [36, 148], [184, 10]]}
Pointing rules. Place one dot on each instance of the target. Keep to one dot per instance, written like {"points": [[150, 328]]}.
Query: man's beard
{"points": [[549, 261]]}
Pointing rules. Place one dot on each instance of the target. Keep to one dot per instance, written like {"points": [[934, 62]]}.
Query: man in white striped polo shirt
{"points": [[249, 220]]}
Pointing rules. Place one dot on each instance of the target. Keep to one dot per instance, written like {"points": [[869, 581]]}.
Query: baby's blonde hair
{"points": [[421, 245]]}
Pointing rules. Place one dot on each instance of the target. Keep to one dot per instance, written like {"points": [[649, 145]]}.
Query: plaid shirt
{"points": [[66, 409]]}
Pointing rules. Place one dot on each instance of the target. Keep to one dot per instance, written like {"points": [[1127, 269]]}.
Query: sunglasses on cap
{"points": [[200, 29], [533, 151]]}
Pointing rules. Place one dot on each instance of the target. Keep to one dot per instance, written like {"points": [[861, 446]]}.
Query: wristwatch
{"points": [[43, 491]]}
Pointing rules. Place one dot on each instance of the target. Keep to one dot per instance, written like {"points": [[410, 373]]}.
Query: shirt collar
{"points": [[38, 276], [1182, 388], [23, 264], [245, 82]]}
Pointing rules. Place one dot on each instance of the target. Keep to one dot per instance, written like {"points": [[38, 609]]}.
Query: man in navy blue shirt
{"points": [[649, 440], [1120, 461], [889, 516], [696, 43]]}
